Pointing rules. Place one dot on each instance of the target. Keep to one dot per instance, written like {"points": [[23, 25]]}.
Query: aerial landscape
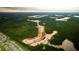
{"points": [[39, 31]]}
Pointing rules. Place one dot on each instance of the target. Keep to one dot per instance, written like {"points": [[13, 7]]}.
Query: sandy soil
{"points": [[44, 38]]}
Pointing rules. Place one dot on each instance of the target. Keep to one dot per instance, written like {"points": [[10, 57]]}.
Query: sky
{"points": [[39, 5]]}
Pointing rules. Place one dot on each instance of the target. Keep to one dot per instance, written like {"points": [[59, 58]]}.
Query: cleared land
{"points": [[17, 27]]}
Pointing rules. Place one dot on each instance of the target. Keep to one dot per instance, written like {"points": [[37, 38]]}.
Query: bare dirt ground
{"points": [[46, 38]]}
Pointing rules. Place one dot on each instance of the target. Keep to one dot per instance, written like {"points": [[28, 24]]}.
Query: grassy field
{"points": [[16, 26]]}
